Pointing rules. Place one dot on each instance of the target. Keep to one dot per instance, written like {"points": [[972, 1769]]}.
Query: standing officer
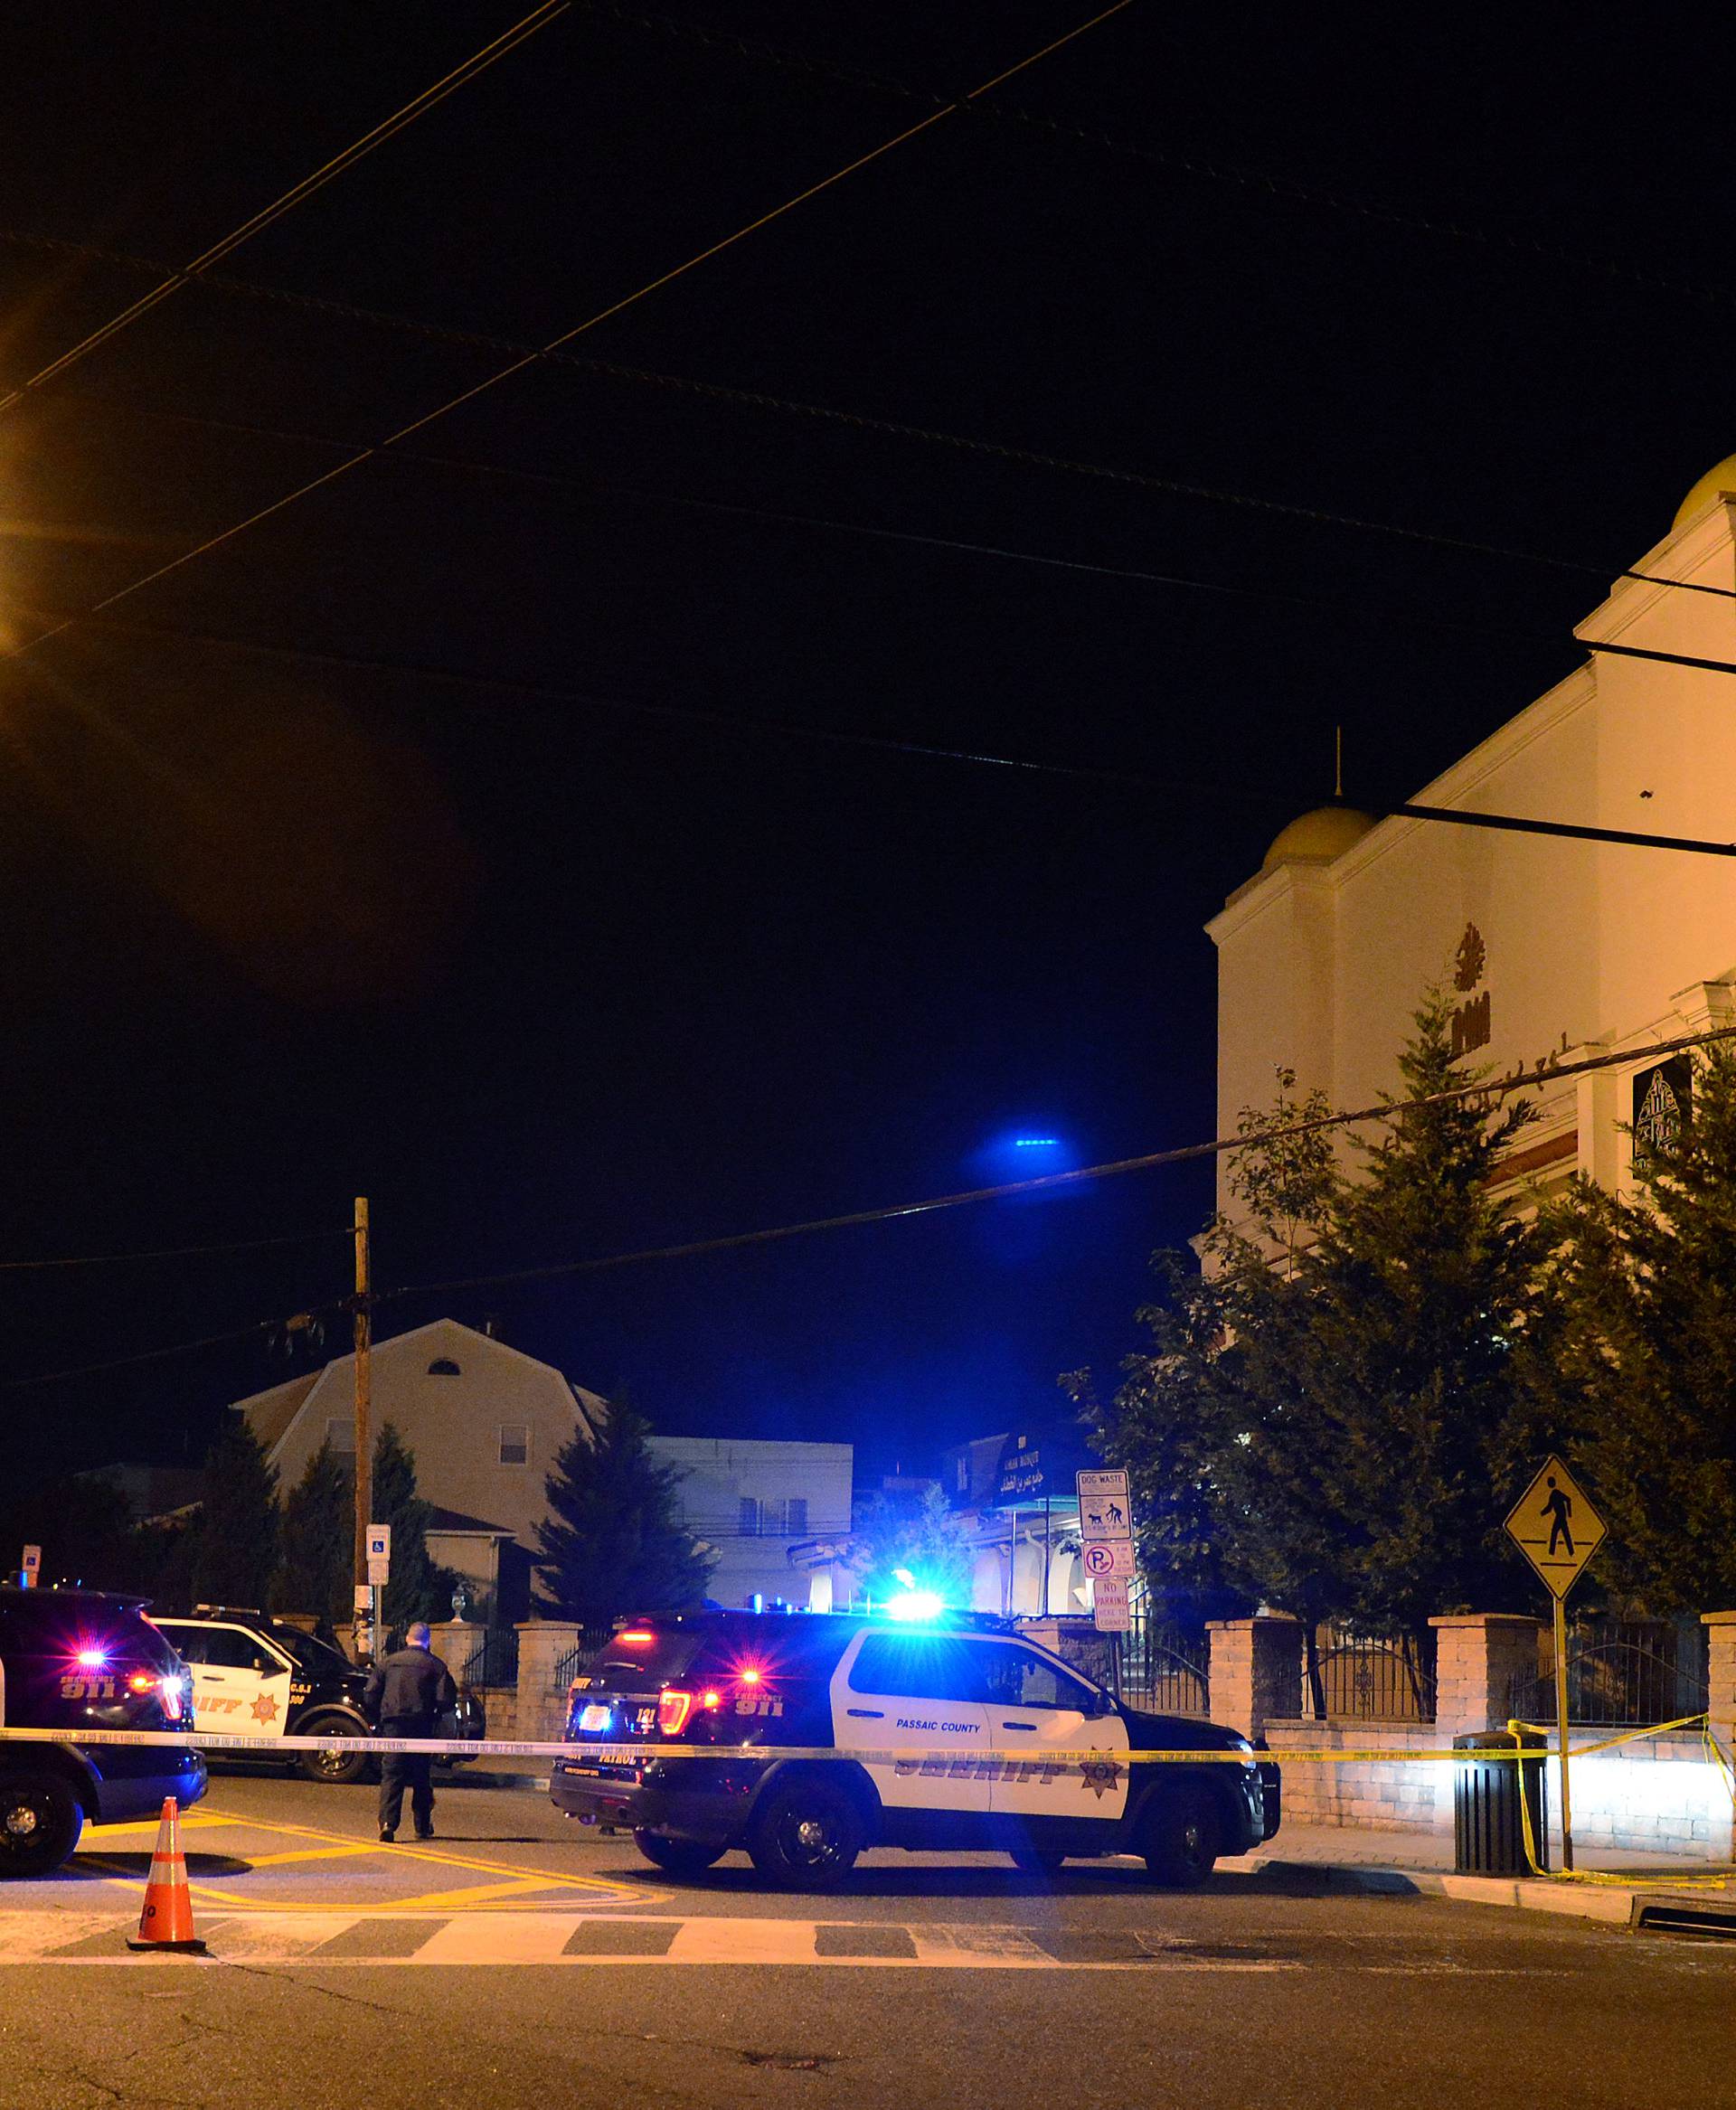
{"points": [[407, 1693]]}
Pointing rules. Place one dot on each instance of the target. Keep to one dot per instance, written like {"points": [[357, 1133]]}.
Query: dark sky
{"points": [[549, 978]]}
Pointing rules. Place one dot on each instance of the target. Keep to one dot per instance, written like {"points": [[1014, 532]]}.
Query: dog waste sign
{"points": [[1555, 1526]]}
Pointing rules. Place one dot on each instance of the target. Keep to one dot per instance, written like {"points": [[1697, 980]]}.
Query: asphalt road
{"points": [[517, 1960]]}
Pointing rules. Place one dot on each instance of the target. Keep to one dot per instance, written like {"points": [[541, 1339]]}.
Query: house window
{"points": [[443, 1366], [340, 1432], [514, 1442]]}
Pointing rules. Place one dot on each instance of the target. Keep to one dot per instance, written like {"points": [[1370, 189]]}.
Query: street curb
{"points": [[1613, 1904]]}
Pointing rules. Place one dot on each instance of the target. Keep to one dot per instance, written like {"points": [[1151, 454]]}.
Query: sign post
{"points": [[379, 1575], [31, 1571], [1555, 1526], [1106, 1532]]}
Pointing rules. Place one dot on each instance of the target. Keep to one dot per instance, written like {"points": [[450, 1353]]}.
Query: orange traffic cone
{"points": [[167, 1921]]}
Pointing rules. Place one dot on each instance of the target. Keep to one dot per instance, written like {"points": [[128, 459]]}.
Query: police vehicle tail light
{"points": [[674, 1709], [142, 1681], [173, 1697]]}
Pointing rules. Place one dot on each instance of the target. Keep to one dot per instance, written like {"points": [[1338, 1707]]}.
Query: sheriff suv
{"points": [[257, 1676], [72, 1659], [951, 1737]]}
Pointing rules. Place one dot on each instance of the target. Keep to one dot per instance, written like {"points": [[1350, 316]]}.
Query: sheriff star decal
{"points": [[265, 1709], [1100, 1776]]}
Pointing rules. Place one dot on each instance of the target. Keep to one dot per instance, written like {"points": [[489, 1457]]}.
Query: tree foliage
{"points": [[927, 1539], [417, 1587], [1329, 1413], [233, 1546], [318, 1540], [615, 1543], [1636, 1373]]}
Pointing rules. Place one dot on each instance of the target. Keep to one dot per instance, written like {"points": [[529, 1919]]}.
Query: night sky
{"points": [[555, 960]]}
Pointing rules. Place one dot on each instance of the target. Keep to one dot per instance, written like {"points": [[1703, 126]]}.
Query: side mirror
{"points": [[1101, 1704]]}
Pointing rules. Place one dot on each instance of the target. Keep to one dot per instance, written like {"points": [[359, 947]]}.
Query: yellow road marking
{"points": [[149, 1825], [470, 1894], [277, 1861]]}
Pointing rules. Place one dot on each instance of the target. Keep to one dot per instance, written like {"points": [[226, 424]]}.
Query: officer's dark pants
{"points": [[406, 1769]]}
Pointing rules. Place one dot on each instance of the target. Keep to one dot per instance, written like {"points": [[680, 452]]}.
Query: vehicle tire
{"points": [[41, 1820], [334, 1768], [1036, 1861], [676, 1857], [806, 1836], [1179, 1836]]}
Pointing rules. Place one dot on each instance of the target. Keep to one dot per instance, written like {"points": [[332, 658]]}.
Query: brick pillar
{"points": [[1478, 1655], [452, 1641], [1256, 1671], [1720, 1708], [542, 1705]]}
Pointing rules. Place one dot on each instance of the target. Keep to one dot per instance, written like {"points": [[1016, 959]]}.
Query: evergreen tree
{"points": [[318, 1540], [930, 1541], [1327, 1420], [1634, 1373], [615, 1543], [234, 1547], [417, 1587]]}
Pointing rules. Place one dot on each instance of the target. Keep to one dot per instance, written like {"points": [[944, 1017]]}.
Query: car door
{"points": [[239, 1682], [1071, 1731], [913, 1692]]}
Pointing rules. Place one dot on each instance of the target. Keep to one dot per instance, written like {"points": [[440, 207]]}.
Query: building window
{"points": [[795, 1515], [767, 1516], [340, 1432], [748, 1519], [443, 1366], [514, 1442]]}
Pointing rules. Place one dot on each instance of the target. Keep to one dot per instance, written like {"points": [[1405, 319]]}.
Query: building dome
{"points": [[1719, 482], [1319, 837]]}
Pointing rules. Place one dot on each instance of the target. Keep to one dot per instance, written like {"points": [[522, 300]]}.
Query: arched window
{"points": [[444, 1366]]}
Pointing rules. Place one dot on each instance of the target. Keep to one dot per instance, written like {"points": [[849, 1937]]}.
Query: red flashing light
{"points": [[637, 1634], [751, 1676], [711, 1699], [142, 1681], [673, 1707]]}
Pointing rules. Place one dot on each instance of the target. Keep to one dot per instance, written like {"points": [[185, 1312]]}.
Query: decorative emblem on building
{"points": [[1662, 1100], [1471, 1026]]}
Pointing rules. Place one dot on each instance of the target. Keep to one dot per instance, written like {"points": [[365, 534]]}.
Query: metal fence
{"points": [[494, 1661], [1166, 1669], [1372, 1678], [590, 1639], [1621, 1673]]}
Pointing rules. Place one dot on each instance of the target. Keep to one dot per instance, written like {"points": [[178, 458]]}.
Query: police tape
{"points": [[638, 1756]]}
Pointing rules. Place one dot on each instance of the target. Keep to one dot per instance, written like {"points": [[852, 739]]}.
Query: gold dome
{"points": [[1717, 483], [1318, 836]]}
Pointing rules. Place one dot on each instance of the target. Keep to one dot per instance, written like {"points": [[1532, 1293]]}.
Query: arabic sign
{"points": [[1555, 1526]]}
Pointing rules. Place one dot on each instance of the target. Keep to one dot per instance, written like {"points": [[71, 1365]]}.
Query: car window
{"points": [[233, 1649], [918, 1666], [187, 1642], [1020, 1677]]}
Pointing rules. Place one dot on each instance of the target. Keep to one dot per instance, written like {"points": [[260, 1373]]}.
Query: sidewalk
{"points": [[1397, 1862]]}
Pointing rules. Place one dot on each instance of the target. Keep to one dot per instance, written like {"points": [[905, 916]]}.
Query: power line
{"points": [[1519, 1080], [261, 1329], [861, 421], [169, 1253], [1261, 183], [737, 722], [358, 150], [531, 357]]}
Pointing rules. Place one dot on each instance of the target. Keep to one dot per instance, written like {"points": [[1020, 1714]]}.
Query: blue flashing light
{"points": [[916, 1605], [1036, 1143]]}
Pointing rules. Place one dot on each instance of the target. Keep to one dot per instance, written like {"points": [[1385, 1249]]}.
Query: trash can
{"points": [[1488, 1832]]}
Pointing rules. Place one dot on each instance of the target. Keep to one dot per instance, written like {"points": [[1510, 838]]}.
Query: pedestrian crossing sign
{"points": [[1555, 1526]]}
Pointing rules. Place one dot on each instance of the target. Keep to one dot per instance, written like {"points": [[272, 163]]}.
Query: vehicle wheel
{"points": [[333, 1768], [1036, 1861], [677, 1856], [806, 1836], [40, 1823], [1179, 1837]]}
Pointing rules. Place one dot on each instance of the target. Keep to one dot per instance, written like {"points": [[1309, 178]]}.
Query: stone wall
{"points": [[1383, 1796]]}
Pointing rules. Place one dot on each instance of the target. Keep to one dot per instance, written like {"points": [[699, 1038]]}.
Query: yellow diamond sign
{"points": [[1555, 1526]]}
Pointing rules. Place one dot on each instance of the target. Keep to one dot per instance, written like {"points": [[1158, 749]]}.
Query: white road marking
{"points": [[479, 1937], [743, 1941], [977, 1946]]}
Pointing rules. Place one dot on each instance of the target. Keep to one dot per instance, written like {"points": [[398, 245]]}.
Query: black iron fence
{"points": [[1621, 1673], [494, 1661], [1360, 1677], [568, 1667], [1166, 1669]]}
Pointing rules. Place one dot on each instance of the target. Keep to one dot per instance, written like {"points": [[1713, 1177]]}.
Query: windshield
{"points": [[315, 1656]]}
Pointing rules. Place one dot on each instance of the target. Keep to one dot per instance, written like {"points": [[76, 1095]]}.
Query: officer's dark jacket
{"points": [[410, 1687]]}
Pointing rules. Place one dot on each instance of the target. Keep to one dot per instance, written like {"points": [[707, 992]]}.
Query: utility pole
{"points": [[363, 1435]]}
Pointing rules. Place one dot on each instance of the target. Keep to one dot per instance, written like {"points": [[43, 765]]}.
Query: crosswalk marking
{"points": [[342, 1940]]}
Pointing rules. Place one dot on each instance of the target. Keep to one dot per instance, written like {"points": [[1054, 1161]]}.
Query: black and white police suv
{"points": [[72, 1659], [888, 1706], [253, 1676]]}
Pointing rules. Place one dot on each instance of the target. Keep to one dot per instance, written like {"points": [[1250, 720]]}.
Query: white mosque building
{"points": [[1550, 945]]}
